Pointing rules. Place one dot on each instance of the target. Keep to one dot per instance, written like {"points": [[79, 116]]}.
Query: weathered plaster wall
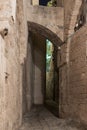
{"points": [[10, 69], [39, 52], [22, 28], [2, 83], [39, 46], [34, 72], [13, 100], [28, 77], [10, 79]]}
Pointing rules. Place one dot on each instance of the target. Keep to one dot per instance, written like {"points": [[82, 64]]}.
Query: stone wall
{"points": [[39, 47], [68, 9], [22, 28], [71, 11], [10, 68], [40, 65], [2, 84], [28, 77], [10, 79], [63, 84], [60, 3], [34, 72], [78, 74], [13, 92], [51, 18], [14, 74], [13, 52], [73, 98]]}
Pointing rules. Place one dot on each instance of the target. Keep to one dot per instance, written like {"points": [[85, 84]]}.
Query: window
{"points": [[45, 2]]}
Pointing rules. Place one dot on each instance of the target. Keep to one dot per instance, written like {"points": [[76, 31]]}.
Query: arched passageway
{"points": [[34, 82], [35, 66], [47, 33]]}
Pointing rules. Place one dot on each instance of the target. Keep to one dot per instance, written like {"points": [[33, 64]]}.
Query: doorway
{"points": [[52, 80], [35, 74]]}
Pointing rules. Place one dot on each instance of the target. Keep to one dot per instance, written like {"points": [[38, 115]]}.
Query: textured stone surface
{"points": [[35, 70], [10, 91], [72, 59], [51, 18], [2, 83], [73, 95], [41, 119]]}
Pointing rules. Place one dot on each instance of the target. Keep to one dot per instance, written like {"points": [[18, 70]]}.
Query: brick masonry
{"points": [[73, 93]]}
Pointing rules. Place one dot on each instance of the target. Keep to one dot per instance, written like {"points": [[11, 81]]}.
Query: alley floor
{"points": [[41, 119]]}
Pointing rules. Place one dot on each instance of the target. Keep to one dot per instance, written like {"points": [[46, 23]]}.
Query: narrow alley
{"points": [[41, 119], [43, 64]]}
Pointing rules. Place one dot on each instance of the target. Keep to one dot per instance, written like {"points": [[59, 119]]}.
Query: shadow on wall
{"points": [[34, 72], [28, 78], [39, 48]]}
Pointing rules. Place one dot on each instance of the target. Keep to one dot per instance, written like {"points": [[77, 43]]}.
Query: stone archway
{"points": [[35, 65], [35, 27], [50, 18]]}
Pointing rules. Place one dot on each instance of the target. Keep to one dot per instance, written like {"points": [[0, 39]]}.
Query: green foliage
{"points": [[48, 54], [52, 3]]}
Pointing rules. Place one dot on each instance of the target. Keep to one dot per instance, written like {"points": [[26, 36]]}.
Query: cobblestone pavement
{"points": [[41, 119]]}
